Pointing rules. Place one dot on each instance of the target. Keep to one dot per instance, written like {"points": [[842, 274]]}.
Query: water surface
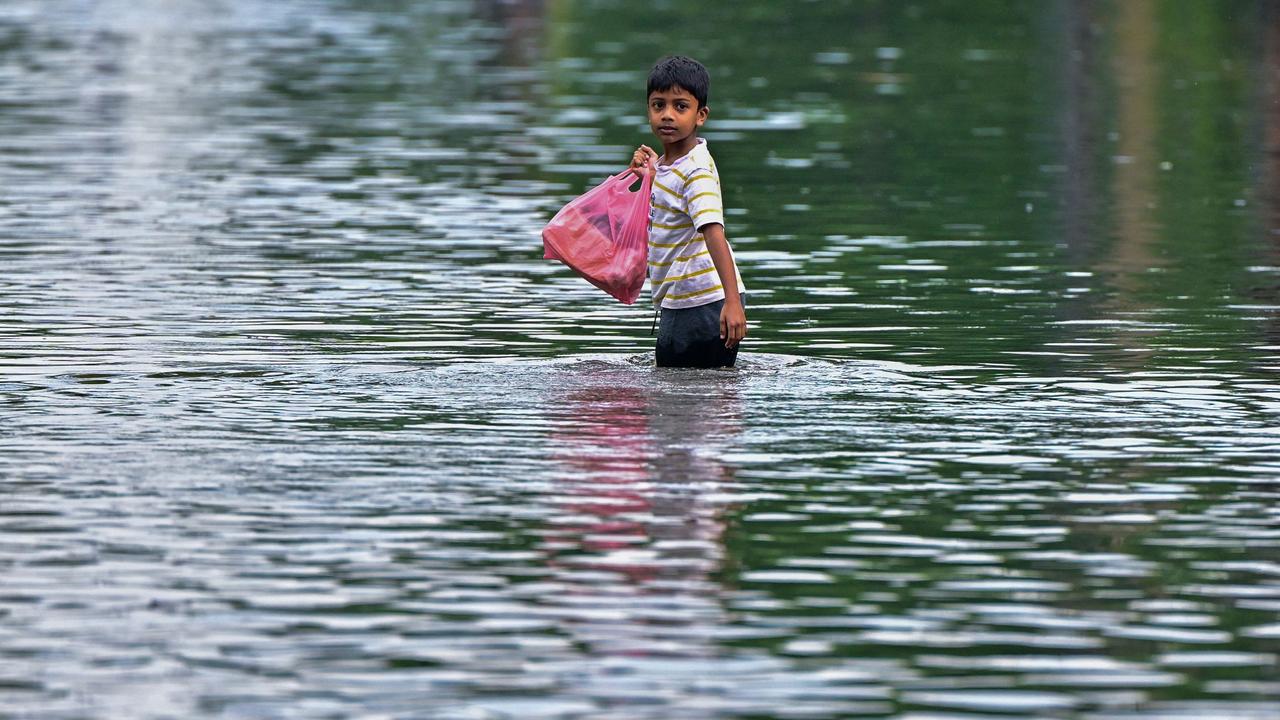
{"points": [[296, 422]]}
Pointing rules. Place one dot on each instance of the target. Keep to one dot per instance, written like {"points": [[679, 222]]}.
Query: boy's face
{"points": [[674, 114]]}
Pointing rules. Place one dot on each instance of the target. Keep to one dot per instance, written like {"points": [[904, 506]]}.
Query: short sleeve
{"points": [[702, 198]]}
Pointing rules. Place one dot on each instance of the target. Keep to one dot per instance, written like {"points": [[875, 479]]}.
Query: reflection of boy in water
{"points": [[692, 272], [633, 501]]}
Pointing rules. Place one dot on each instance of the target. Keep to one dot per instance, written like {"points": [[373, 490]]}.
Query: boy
{"points": [[692, 272]]}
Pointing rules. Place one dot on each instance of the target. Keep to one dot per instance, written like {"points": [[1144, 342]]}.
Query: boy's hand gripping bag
{"points": [[603, 235]]}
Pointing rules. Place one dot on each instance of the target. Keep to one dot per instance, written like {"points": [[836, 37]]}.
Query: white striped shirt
{"points": [[686, 198]]}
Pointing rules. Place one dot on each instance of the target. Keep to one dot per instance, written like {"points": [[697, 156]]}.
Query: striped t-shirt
{"points": [[686, 197]]}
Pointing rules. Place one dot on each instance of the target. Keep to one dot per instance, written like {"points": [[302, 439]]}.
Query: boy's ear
{"points": [[702, 114]]}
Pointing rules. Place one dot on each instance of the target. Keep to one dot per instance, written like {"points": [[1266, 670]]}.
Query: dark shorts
{"points": [[690, 338]]}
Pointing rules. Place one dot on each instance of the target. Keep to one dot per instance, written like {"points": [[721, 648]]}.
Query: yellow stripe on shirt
{"points": [[668, 190], [686, 276], [682, 258], [682, 243], [686, 296], [704, 194], [661, 226]]}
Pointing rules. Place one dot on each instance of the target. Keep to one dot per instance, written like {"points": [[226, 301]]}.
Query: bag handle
{"points": [[629, 176]]}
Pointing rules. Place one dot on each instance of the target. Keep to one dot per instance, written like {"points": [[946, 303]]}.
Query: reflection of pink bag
{"points": [[603, 235]]}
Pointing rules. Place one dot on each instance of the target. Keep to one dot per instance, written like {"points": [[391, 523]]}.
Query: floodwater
{"points": [[296, 422]]}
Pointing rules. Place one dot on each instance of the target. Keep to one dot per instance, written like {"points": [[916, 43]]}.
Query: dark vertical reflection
{"points": [[1268, 171], [1270, 111], [1079, 131], [1133, 185], [523, 23]]}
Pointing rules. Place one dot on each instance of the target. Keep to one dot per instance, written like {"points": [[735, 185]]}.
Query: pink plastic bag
{"points": [[603, 235]]}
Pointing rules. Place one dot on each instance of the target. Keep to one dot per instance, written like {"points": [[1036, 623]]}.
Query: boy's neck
{"points": [[677, 150]]}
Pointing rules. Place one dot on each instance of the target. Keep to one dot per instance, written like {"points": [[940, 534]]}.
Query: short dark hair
{"points": [[679, 70]]}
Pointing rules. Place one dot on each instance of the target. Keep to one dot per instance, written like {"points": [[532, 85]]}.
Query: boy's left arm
{"points": [[733, 318]]}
